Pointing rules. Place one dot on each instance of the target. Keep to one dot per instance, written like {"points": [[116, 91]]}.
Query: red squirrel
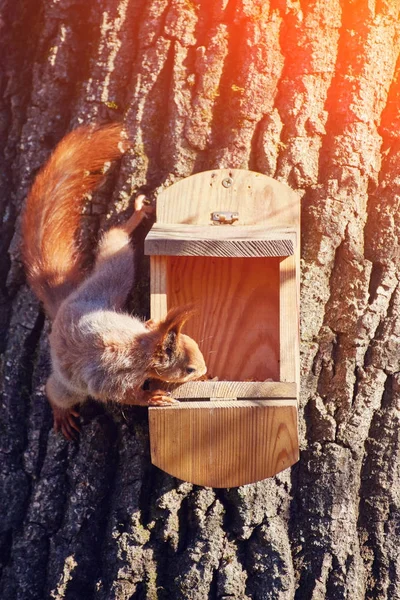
{"points": [[96, 349]]}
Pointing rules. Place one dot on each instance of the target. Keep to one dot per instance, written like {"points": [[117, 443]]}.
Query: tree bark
{"points": [[308, 93]]}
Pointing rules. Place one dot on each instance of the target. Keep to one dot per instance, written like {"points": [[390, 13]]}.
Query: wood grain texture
{"points": [[235, 389], [259, 200], [158, 287], [219, 240], [289, 318], [237, 324], [226, 444]]}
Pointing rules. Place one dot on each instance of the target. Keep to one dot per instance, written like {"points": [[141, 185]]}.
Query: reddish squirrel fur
{"points": [[96, 349]]}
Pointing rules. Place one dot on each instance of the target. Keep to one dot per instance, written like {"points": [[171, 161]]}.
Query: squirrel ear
{"points": [[175, 319], [168, 343]]}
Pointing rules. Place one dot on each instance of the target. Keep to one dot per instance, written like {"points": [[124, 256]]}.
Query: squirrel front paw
{"points": [[160, 398]]}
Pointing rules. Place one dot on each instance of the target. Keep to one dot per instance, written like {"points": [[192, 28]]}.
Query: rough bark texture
{"points": [[307, 92]]}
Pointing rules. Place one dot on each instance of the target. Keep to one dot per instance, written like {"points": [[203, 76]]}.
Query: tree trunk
{"points": [[308, 93]]}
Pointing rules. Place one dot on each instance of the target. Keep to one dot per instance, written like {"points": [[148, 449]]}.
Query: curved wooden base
{"points": [[224, 443]]}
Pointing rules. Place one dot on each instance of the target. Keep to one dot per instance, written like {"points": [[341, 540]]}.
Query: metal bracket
{"points": [[224, 217]]}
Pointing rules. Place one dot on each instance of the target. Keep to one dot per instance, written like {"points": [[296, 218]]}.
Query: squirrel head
{"points": [[176, 357]]}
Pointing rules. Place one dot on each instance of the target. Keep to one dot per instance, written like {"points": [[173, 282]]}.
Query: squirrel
{"points": [[96, 348]]}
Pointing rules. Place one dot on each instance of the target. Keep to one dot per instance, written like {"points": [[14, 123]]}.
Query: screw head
{"points": [[227, 182]]}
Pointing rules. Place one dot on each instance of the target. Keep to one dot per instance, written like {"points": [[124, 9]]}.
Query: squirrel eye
{"points": [[190, 370]]}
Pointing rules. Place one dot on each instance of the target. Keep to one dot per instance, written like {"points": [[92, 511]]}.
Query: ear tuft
{"points": [[176, 318]]}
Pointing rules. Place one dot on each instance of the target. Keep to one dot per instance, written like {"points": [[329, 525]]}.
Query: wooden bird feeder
{"points": [[228, 241]]}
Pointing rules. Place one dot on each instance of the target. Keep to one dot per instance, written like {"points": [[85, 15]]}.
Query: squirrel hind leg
{"points": [[117, 237], [65, 408], [143, 210], [65, 422]]}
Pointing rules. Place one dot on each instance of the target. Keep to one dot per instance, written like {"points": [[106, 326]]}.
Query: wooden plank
{"points": [[224, 444], [237, 324], [235, 389], [260, 200], [222, 240], [207, 247], [161, 231], [158, 287], [234, 248], [289, 321]]}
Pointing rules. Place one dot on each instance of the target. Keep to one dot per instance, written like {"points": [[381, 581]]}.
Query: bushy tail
{"points": [[54, 207]]}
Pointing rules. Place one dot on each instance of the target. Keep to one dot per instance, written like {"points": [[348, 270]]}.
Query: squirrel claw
{"points": [[161, 398], [151, 324], [64, 421]]}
